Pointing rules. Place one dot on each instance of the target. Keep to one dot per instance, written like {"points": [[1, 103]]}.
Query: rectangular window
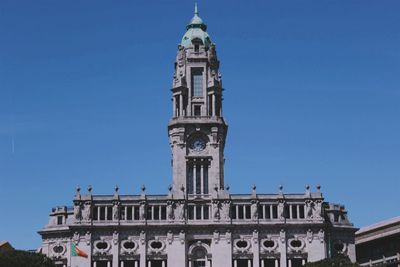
{"points": [[149, 213], [275, 212], [197, 82], [205, 176], [267, 212], [294, 212], [156, 212], [248, 212], [109, 213], [163, 213], [301, 215], [95, 214], [191, 212], [59, 220], [129, 213], [198, 212], [199, 263], [197, 110], [102, 213], [271, 262], [233, 210], [189, 178], [241, 212], [261, 212], [136, 212], [198, 178], [206, 212]]}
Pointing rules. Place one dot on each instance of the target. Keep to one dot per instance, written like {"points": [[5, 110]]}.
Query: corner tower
{"points": [[197, 130]]}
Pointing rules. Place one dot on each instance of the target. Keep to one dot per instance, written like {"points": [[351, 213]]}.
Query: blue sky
{"points": [[312, 97]]}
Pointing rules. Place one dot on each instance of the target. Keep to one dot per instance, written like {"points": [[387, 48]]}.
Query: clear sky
{"points": [[312, 97]]}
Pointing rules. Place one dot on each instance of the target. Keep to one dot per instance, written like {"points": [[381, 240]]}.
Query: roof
{"points": [[5, 245], [378, 225], [196, 29], [378, 230]]}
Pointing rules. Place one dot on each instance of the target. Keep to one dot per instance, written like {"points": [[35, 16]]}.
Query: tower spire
{"points": [[196, 12]]}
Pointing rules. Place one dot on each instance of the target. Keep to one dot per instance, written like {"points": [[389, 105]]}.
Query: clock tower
{"points": [[197, 130]]}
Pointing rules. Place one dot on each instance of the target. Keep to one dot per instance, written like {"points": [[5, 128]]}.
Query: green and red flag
{"points": [[75, 251]]}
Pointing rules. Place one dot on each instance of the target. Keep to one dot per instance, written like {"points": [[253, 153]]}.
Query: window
{"points": [[109, 213], [197, 110], [59, 220], [197, 82]]}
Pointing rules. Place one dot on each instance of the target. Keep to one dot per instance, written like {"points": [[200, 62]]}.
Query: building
{"points": [[5, 246], [379, 244], [198, 223]]}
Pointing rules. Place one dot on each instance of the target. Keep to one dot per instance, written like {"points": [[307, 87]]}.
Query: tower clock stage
{"points": [[198, 222]]}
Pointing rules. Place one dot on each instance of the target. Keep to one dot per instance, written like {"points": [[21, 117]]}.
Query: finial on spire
{"points": [[196, 12]]}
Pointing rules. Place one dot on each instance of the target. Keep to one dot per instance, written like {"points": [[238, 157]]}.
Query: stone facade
{"points": [[199, 222], [379, 244]]}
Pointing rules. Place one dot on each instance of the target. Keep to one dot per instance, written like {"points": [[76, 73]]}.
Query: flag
{"points": [[75, 251]]}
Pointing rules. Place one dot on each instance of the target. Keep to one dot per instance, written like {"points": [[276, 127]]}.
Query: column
{"points": [[105, 213], [234, 263], [122, 263], [290, 263], [298, 211], [173, 106], [213, 104], [136, 263], [208, 263], [108, 263], [248, 263], [190, 263], [262, 263], [95, 264], [149, 264], [194, 177], [290, 211], [180, 104], [276, 263], [163, 263], [202, 178], [98, 213], [303, 262], [264, 210]]}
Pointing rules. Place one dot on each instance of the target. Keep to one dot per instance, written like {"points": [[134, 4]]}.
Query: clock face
{"points": [[198, 144]]}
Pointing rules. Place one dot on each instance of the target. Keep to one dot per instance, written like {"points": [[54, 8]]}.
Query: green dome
{"points": [[196, 29]]}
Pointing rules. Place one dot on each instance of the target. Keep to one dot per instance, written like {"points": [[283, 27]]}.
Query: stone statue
{"points": [[142, 214], [254, 210], [77, 211], [281, 210], [115, 237], [76, 238], [318, 210], [225, 210], [309, 209], [88, 237], [215, 210], [180, 66], [115, 211], [180, 211], [170, 211], [87, 211]]}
